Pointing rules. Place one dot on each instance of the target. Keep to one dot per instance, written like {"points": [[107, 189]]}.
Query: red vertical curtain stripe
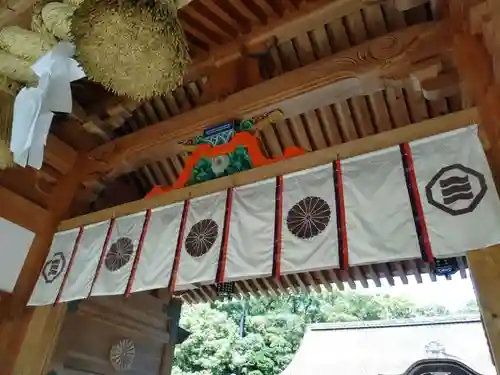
{"points": [[178, 249], [145, 227], [70, 264], [416, 203], [103, 254], [341, 217], [278, 227], [221, 269]]}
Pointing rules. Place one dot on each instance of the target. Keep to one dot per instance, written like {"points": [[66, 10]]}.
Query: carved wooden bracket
{"points": [[244, 139]]}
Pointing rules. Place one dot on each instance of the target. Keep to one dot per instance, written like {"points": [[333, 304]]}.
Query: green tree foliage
{"points": [[274, 328], [469, 307]]}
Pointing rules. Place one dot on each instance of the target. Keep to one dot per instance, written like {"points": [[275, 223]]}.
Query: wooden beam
{"points": [[22, 329], [28, 183], [21, 211], [476, 67], [311, 15], [44, 326], [59, 155], [375, 64], [484, 266], [394, 137]]}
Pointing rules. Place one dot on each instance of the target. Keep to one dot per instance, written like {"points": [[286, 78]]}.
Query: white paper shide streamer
{"points": [[202, 241], [309, 229], [158, 251], [34, 107], [114, 274], [458, 194], [51, 278]]}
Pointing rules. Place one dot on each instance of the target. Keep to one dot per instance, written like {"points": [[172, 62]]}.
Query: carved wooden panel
{"points": [[89, 335]]}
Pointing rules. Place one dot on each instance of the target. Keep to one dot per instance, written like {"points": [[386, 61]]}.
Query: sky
{"points": [[452, 293]]}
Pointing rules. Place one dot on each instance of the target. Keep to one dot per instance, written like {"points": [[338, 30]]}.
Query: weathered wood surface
{"points": [[22, 212], [476, 52], [371, 66], [88, 334], [484, 266], [22, 329]]}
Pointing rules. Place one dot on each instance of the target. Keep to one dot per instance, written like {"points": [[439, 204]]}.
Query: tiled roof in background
{"points": [[390, 347]]}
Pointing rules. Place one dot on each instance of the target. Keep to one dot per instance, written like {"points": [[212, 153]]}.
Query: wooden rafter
{"points": [[376, 64], [291, 24], [59, 155], [363, 145]]}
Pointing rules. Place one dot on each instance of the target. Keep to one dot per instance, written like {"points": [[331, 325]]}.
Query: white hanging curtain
{"points": [[158, 252], [379, 220], [250, 244], [85, 262], [308, 221], [114, 273], [53, 272], [201, 241], [432, 198], [458, 195]]}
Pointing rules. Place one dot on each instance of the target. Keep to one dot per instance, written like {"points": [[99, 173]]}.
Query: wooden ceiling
{"points": [[316, 128], [394, 273], [247, 55], [288, 35]]}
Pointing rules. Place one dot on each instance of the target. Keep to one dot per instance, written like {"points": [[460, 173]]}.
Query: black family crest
{"points": [[456, 189], [201, 237], [119, 254], [308, 217], [54, 267]]}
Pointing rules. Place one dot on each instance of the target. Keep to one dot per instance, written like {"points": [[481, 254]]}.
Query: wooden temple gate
{"points": [[351, 76]]}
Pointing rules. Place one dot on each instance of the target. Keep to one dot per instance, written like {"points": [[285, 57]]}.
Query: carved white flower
{"points": [[220, 163]]}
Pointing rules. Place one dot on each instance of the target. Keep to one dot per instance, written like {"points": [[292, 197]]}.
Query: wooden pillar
{"points": [[174, 314], [484, 267], [28, 335]]}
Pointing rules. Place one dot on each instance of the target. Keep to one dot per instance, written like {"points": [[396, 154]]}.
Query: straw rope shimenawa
{"points": [[57, 19], [19, 48], [134, 48], [8, 91], [23, 43], [16, 68], [37, 24]]}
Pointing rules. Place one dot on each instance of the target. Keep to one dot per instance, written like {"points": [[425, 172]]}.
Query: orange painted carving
{"points": [[245, 139]]}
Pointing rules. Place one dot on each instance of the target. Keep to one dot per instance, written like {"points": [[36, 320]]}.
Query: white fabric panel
{"points": [[85, 263], [16, 242], [379, 220], [50, 279], [158, 251], [115, 271], [314, 189], [251, 234], [462, 152], [204, 228]]}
